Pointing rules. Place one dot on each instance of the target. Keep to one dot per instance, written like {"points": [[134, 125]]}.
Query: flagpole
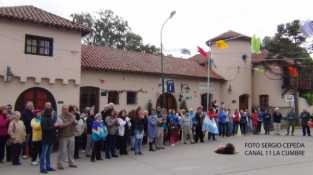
{"points": [[209, 71]]}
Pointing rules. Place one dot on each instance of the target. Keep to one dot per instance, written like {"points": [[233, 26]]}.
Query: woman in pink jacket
{"points": [[4, 124]]}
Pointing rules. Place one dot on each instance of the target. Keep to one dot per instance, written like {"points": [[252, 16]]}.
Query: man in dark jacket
{"points": [[305, 118], [277, 121], [27, 116], [198, 125], [291, 119]]}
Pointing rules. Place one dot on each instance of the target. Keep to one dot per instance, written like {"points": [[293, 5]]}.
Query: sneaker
{"points": [[43, 171], [34, 163], [51, 169], [25, 157], [60, 167]]}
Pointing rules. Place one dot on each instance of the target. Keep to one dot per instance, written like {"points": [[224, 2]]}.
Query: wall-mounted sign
{"points": [[60, 102], [103, 92], [170, 86]]}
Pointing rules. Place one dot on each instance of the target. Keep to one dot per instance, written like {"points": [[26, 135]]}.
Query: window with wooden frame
{"points": [[38, 45], [113, 97], [131, 97], [264, 101]]}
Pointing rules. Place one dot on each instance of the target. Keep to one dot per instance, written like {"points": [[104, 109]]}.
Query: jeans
{"points": [[110, 146], [138, 141], [36, 150], [235, 128], [243, 128], [3, 141], [89, 145], [306, 130], [45, 156], [16, 151], [223, 128], [66, 150], [78, 146]]}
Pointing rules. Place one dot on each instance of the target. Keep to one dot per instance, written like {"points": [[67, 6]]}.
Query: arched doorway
{"points": [[244, 101], [39, 96], [89, 97], [168, 100]]}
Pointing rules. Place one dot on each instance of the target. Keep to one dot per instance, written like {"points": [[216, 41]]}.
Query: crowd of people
{"points": [[34, 133]]}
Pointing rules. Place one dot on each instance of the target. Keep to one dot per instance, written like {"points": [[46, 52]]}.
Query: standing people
{"points": [[138, 125], [27, 116], [17, 134], [49, 127], [291, 120], [229, 123], [99, 133], [187, 127], [123, 128], [236, 121], [260, 120], [67, 137], [112, 125], [79, 131], [89, 122], [255, 121], [198, 125], [222, 116], [152, 129], [243, 121], [213, 117], [305, 118], [173, 123], [36, 136], [161, 127], [277, 121], [4, 124], [267, 122]]}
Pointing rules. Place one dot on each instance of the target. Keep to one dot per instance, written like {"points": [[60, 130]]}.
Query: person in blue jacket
{"points": [[222, 122]]}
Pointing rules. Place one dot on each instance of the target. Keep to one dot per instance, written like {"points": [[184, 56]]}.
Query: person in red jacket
{"points": [[255, 120], [4, 124], [236, 121]]}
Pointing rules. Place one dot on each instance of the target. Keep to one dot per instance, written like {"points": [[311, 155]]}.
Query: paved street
{"points": [[195, 159]]}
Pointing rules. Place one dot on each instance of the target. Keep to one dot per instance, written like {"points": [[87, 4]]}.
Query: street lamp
{"points": [[162, 59]]}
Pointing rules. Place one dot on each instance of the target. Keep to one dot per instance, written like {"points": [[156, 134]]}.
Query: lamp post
{"points": [[162, 59]]}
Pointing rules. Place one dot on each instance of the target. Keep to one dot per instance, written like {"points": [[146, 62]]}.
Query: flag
{"points": [[293, 71], [307, 28], [203, 52], [255, 45], [221, 44]]}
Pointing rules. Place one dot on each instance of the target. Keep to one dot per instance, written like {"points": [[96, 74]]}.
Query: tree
{"points": [[111, 30], [287, 42]]}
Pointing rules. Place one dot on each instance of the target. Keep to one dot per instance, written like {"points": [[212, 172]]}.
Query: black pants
{"points": [[36, 150], [211, 135], [306, 130], [78, 146], [199, 135], [243, 128], [16, 151], [3, 141], [26, 147], [258, 129], [110, 146], [222, 127], [267, 127], [122, 144], [96, 150]]}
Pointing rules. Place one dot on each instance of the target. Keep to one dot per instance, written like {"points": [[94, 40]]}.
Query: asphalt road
{"points": [[200, 159]]}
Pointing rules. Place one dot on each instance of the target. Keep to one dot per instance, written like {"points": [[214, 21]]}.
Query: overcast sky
{"points": [[195, 21]]}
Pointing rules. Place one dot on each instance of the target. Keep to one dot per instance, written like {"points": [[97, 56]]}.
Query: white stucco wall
{"points": [[149, 84], [64, 64], [59, 74], [230, 65]]}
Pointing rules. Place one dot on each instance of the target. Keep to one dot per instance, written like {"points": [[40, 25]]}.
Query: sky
{"points": [[195, 21]]}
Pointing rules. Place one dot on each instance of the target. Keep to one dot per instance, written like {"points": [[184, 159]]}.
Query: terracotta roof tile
{"points": [[229, 34], [110, 59], [38, 16]]}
